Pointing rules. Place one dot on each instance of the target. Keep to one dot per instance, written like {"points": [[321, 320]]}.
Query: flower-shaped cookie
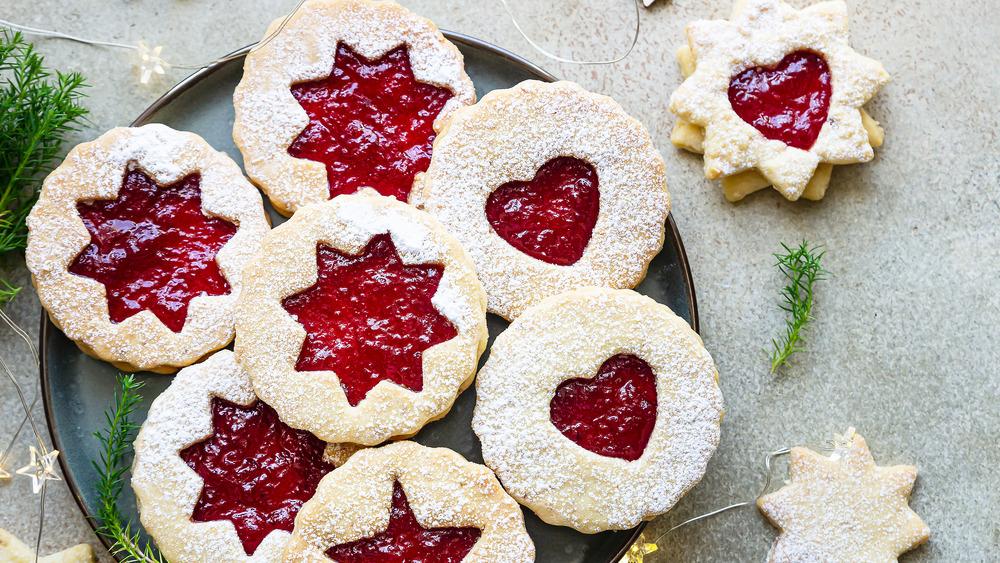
{"points": [[778, 90], [843, 508]]}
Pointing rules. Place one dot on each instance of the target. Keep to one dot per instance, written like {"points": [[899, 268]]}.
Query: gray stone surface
{"points": [[904, 346]]}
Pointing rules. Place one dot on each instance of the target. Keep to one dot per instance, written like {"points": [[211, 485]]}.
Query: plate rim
{"points": [[186, 84]]}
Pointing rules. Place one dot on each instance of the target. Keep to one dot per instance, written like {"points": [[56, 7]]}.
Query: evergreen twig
{"points": [[116, 446], [801, 270], [37, 109]]}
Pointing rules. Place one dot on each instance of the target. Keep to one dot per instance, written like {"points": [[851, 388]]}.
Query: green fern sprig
{"points": [[116, 446], [801, 270], [37, 109]]}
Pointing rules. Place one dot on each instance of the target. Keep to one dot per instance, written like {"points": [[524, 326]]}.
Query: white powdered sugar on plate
{"points": [[442, 489], [507, 137], [57, 235], [570, 336], [269, 340], [269, 119]]}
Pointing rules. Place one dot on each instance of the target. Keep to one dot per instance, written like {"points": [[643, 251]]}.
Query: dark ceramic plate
{"points": [[77, 388]]}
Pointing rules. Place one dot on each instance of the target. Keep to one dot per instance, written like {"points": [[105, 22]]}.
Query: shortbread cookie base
{"points": [[443, 490], [570, 336], [269, 119], [56, 235], [269, 340]]}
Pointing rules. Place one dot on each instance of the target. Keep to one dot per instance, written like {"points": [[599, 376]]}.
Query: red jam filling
{"points": [[613, 413], [153, 248], [370, 122], [406, 541], [551, 216], [369, 318], [258, 472], [787, 103]]}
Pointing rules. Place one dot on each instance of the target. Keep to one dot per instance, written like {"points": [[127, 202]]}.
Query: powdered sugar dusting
{"points": [[762, 33], [168, 490], [268, 119], [508, 136], [56, 235], [443, 490], [269, 341], [570, 336], [843, 508]]}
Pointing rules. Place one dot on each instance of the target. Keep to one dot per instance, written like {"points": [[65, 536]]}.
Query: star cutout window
{"points": [[369, 318], [406, 540], [843, 508], [153, 248], [258, 472], [370, 123]]}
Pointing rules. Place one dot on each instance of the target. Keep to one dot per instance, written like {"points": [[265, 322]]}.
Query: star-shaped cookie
{"points": [[843, 508], [786, 71]]}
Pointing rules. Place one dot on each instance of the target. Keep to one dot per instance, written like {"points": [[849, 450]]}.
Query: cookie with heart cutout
{"points": [[598, 409], [777, 91], [550, 188]]}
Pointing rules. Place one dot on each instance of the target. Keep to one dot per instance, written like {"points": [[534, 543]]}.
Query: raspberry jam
{"points": [[258, 472], [370, 122], [551, 216], [406, 541], [613, 413], [369, 318], [153, 248], [787, 103]]}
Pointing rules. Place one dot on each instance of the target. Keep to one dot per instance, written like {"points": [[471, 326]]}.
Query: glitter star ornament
{"points": [[41, 469], [843, 508], [783, 69]]}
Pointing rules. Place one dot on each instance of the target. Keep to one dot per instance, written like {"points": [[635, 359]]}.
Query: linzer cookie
{"points": [[219, 478], [550, 188], [137, 246], [598, 409], [349, 95], [774, 96], [361, 320], [407, 502]]}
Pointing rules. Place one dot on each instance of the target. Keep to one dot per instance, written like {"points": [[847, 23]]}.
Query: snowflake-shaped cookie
{"points": [[843, 508], [745, 64]]}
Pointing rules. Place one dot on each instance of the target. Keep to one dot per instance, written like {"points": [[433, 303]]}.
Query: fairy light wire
{"points": [[557, 58], [183, 66], [828, 446]]}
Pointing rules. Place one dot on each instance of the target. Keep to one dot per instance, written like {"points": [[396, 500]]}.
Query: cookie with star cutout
{"points": [[361, 320], [137, 246], [774, 97], [843, 508]]}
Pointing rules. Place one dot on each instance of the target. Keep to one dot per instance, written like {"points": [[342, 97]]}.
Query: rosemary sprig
{"points": [[801, 270], [37, 110], [116, 446]]}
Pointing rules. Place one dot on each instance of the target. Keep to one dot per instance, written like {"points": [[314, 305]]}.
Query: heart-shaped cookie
{"points": [[611, 414], [551, 216], [787, 103]]}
